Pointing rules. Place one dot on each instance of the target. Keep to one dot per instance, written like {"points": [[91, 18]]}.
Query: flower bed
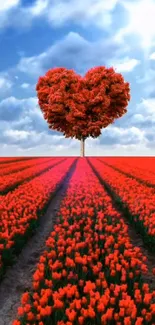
{"points": [[20, 165], [145, 175], [9, 182], [20, 210], [6, 160], [138, 198], [90, 272]]}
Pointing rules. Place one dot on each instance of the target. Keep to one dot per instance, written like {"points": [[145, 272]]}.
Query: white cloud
{"points": [[23, 129], [148, 82], [137, 13], [12, 108], [17, 134], [5, 84], [34, 62], [59, 12], [31, 138], [6, 5], [73, 52], [146, 107], [138, 118], [83, 12], [152, 56], [38, 8], [126, 64], [22, 124], [124, 136], [41, 147], [25, 85], [143, 118]]}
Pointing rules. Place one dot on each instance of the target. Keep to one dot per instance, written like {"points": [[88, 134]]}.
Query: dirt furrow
{"points": [[135, 237], [19, 277]]}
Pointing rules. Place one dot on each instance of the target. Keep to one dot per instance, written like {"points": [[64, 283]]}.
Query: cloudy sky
{"points": [[38, 35]]}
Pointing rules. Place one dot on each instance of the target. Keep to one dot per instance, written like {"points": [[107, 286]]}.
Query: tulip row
{"points": [[138, 162], [20, 210], [138, 198], [10, 181], [21, 165], [146, 175], [90, 272], [11, 159]]}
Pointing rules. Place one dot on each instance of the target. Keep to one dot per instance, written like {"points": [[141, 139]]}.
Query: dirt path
{"points": [[19, 276], [136, 238]]}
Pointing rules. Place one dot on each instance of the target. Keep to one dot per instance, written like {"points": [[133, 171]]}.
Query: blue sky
{"points": [[39, 35]]}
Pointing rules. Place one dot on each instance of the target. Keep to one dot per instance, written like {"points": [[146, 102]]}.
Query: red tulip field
{"points": [[77, 241]]}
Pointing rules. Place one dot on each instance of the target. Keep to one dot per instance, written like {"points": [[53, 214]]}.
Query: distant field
{"points": [[77, 240]]}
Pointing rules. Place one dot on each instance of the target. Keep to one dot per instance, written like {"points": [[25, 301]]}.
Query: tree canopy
{"points": [[81, 106]]}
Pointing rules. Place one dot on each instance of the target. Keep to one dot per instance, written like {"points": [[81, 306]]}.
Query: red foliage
{"points": [[81, 107]]}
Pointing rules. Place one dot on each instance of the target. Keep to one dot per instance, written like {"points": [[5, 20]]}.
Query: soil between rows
{"points": [[135, 237], [18, 278]]}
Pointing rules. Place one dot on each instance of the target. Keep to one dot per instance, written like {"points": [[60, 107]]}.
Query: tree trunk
{"points": [[82, 147]]}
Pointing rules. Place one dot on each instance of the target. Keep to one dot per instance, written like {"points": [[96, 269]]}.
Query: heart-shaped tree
{"points": [[81, 107]]}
